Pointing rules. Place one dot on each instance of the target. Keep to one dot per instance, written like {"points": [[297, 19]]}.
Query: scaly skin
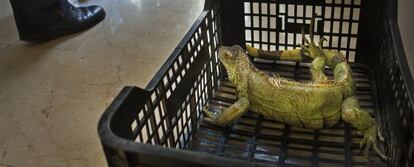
{"points": [[318, 104]]}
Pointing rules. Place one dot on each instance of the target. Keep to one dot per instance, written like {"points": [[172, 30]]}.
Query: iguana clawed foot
{"points": [[313, 50], [211, 117], [370, 140]]}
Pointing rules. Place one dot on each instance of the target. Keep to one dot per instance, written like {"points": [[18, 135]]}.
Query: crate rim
{"points": [[402, 59], [110, 139]]}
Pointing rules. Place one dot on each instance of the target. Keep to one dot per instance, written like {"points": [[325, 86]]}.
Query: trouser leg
{"points": [[31, 15]]}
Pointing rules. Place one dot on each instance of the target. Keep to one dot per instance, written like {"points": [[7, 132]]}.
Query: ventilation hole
{"points": [[273, 9], [354, 28], [328, 11], [134, 125], [335, 41], [344, 42], [272, 22], [247, 7], [298, 39], [351, 56], [318, 11], [248, 34], [247, 22], [299, 11], [282, 8], [264, 22], [256, 35], [336, 27], [153, 97], [175, 66], [345, 27], [264, 36], [356, 14], [325, 44], [309, 11], [255, 8], [282, 37], [290, 38], [160, 133], [178, 79], [273, 37], [157, 115], [265, 47], [353, 43], [347, 13], [291, 10], [337, 13], [264, 8], [256, 21], [327, 27], [173, 86], [144, 133]]}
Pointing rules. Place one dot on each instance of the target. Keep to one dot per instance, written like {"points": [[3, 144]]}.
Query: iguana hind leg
{"points": [[317, 67], [228, 115], [353, 114]]}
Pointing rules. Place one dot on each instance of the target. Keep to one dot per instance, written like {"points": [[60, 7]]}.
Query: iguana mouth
{"points": [[230, 51]]}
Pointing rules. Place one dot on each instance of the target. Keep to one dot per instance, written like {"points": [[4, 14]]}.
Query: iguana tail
{"points": [[288, 55]]}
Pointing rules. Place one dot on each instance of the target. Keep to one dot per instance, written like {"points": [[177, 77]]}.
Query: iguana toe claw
{"points": [[358, 133], [379, 152], [304, 47], [323, 39], [367, 147], [370, 140], [208, 113], [362, 143], [211, 121], [380, 137], [304, 37]]}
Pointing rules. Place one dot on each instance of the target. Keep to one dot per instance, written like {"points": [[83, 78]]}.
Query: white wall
{"points": [[406, 24]]}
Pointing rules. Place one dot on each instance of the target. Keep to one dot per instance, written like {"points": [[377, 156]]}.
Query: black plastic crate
{"points": [[162, 124]]}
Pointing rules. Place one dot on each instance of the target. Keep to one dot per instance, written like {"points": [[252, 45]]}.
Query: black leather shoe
{"points": [[57, 20]]}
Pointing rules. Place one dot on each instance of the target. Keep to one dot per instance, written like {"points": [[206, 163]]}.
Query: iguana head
{"points": [[234, 60]]}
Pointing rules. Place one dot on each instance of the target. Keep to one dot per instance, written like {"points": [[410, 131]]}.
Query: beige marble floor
{"points": [[52, 94]]}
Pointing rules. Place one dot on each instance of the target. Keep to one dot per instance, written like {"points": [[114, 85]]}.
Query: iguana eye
{"points": [[229, 55]]}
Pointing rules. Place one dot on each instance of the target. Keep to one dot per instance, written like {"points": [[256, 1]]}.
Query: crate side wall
{"points": [[277, 25], [171, 114], [393, 81]]}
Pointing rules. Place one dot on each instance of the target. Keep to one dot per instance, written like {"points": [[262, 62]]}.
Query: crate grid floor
{"points": [[254, 138]]}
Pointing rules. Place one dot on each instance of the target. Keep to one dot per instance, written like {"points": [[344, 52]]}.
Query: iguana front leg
{"points": [[353, 114], [228, 115], [317, 67], [241, 106]]}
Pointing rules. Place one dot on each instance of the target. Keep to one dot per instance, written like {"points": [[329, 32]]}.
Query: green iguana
{"points": [[318, 104]]}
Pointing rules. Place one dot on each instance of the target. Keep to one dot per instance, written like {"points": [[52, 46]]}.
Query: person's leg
{"points": [[39, 20], [33, 14]]}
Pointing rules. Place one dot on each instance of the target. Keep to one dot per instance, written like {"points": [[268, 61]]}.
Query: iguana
{"points": [[318, 104]]}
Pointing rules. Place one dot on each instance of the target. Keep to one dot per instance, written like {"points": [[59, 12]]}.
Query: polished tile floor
{"points": [[52, 94]]}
